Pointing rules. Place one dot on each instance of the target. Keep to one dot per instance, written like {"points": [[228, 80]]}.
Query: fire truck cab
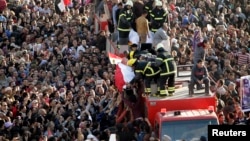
{"points": [[182, 117], [184, 124]]}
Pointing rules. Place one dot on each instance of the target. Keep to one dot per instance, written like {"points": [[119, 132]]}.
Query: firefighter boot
{"points": [[163, 93], [171, 91]]}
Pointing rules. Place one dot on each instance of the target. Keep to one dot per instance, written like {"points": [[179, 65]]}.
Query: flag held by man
{"points": [[123, 74], [114, 59]]}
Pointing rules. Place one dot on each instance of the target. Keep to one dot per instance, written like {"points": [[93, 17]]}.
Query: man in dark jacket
{"points": [[199, 76], [167, 65], [158, 16], [149, 7], [125, 22]]}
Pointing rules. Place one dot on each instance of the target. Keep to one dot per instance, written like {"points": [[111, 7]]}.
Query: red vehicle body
{"points": [[171, 112]]}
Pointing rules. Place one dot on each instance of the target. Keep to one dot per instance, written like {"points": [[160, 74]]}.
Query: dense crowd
{"points": [[56, 81]]}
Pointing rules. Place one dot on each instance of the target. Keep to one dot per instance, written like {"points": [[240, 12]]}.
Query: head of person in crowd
{"points": [[134, 47], [129, 4], [204, 44], [158, 4], [165, 26], [200, 63]]}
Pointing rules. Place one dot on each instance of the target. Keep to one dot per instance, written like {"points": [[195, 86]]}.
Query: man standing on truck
{"points": [[158, 16], [167, 65], [199, 76], [126, 19]]}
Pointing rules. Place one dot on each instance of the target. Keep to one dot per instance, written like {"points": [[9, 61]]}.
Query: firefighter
{"points": [[125, 22], [168, 70], [134, 53], [158, 16], [144, 70], [149, 7]]}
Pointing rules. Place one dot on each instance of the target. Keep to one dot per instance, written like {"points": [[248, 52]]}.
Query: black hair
{"points": [[205, 41], [200, 60], [134, 45], [145, 12]]}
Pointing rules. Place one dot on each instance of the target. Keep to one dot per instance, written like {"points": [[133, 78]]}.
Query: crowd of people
{"points": [[56, 81]]}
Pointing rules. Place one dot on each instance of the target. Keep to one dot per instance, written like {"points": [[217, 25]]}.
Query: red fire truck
{"points": [[182, 117]]}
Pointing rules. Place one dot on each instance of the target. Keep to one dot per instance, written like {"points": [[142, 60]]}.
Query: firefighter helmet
{"points": [[158, 3], [131, 62], [130, 3], [159, 46]]}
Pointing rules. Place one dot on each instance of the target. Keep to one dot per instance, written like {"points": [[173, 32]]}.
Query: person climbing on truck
{"points": [[144, 70]]}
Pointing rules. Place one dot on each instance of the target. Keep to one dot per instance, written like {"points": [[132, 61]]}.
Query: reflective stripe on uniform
{"points": [[121, 29], [153, 29], [166, 63], [167, 73], [171, 89], [152, 70], [147, 66], [160, 18], [169, 59], [163, 92], [159, 59], [138, 71], [167, 67], [122, 15], [153, 73], [148, 90]]}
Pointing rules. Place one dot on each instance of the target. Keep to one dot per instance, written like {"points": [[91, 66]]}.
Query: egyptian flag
{"points": [[123, 74], [114, 59]]}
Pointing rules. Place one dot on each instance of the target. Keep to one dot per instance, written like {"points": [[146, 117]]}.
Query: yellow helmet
{"points": [[131, 62]]}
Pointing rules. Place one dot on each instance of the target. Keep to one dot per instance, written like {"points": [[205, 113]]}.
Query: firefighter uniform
{"points": [[158, 16], [168, 70], [144, 70], [126, 19], [149, 7]]}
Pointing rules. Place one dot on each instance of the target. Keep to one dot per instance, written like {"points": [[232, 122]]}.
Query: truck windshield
{"points": [[187, 130]]}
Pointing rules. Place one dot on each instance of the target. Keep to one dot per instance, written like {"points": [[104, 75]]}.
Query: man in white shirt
{"points": [[46, 9], [160, 35], [38, 7], [81, 48]]}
